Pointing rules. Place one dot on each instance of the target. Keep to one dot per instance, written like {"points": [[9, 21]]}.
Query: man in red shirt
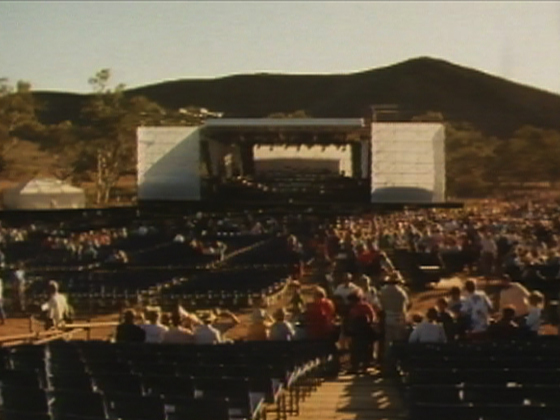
{"points": [[320, 325], [320, 317]]}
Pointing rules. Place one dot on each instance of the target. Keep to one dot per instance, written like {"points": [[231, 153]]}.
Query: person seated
{"points": [[128, 331], [515, 295], [506, 327], [211, 326], [154, 330], [533, 319], [281, 330], [260, 326], [428, 331], [446, 319], [177, 334]]}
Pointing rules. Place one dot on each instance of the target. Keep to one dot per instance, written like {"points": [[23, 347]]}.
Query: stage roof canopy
{"points": [[286, 123]]}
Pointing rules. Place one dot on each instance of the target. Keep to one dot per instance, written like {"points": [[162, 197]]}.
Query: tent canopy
{"points": [[42, 194]]}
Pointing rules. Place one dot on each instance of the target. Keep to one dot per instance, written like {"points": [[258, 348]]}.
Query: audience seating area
{"points": [[98, 380], [298, 186], [473, 381]]}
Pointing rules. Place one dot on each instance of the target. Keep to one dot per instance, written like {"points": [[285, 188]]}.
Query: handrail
{"points": [[66, 334], [50, 335], [27, 336]]}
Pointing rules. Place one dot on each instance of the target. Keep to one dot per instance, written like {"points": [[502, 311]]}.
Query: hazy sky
{"points": [[59, 45]]}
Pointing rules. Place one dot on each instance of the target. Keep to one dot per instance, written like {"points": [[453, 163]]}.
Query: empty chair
{"points": [[108, 366], [130, 407], [20, 378], [494, 394], [197, 409], [172, 386], [25, 400], [235, 390], [119, 384], [84, 404], [422, 411], [72, 381], [444, 394], [18, 415]]}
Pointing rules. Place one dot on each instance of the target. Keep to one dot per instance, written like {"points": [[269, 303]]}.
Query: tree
{"points": [[469, 157], [17, 116], [108, 131]]}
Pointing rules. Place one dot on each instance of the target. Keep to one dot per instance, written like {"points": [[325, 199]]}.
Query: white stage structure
{"points": [[169, 163], [407, 162]]}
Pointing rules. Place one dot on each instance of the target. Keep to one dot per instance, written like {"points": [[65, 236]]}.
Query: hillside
{"points": [[494, 105]]}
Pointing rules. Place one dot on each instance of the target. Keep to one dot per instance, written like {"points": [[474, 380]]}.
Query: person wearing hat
{"points": [[205, 333], [395, 303], [211, 326]]}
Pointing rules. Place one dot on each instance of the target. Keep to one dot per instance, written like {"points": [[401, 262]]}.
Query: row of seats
{"points": [[101, 380], [473, 380]]}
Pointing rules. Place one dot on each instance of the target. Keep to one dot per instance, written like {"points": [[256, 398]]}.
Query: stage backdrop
{"points": [[168, 163], [408, 162], [335, 159]]}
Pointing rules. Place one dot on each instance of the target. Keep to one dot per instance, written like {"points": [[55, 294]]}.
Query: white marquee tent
{"points": [[43, 194]]}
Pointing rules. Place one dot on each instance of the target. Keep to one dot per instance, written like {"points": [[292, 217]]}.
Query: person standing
{"points": [[395, 303], [360, 329], [57, 309], [20, 285]]}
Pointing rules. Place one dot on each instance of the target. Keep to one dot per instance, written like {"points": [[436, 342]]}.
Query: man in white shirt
{"points": [[206, 333], [155, 332], [516, 295], [346, 288], [428, 331], [209, 329], [56, 307], [177, 334], [477, 306]]}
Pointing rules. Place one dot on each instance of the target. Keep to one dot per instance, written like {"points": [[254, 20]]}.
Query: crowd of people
{"points": [[362, 303]]}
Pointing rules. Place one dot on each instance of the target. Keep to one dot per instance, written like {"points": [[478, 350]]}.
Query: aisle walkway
{"points": [[368, 397]]}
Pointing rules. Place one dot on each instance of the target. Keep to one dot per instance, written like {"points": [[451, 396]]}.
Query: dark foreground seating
{"points": [[495, 380], [101, 380]]}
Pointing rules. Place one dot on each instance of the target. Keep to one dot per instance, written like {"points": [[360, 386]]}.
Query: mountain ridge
{"points": [[491, 103]]}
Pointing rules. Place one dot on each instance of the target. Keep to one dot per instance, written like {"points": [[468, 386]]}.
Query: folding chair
{"points": [[20, 379], [84, 404], [25, 400], [119, 384], [197, 409], [131, 407], [169, 386]]}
